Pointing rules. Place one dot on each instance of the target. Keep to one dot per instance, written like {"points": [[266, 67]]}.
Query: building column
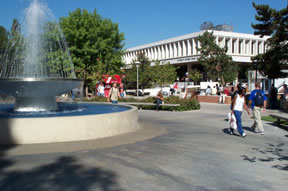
{"points": [[262, 47], [256, 47], [217, 41], [236, 49], [230, 46], [250, 47], [194, 46], [171, 52], [163, 52], [188, 47], [184, 48], [224, 42], [166, 51], [175, 50], [179, 49]]}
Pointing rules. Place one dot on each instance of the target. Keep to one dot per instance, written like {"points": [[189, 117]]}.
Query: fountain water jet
{"points": [[37, 66]]}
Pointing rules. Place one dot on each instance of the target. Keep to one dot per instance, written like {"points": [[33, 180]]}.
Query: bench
{"points": [[149, 104], [279, 117]]}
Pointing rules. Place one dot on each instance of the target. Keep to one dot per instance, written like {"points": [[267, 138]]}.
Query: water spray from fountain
{"points": [[37, 65]]}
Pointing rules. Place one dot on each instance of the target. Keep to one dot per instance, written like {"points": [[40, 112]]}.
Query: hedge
{"points": [[185, 104]]}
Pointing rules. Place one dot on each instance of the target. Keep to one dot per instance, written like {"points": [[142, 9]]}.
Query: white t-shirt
{"points": [[239, 103], [101, 89]]}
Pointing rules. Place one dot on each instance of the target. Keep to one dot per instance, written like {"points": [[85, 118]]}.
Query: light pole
{"points": [[137, 66]]}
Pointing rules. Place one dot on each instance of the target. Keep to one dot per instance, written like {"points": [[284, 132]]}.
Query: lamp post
{"points": [[137, 66]]}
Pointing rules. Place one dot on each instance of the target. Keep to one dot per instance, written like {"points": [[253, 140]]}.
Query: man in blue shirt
{"points": [[257, 100]]}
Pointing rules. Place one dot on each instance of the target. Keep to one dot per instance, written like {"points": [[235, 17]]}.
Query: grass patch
{"points": [[273, 120]]}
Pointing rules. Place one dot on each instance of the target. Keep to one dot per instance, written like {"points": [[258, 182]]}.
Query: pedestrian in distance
{"points": [[238, 104], [114, 94], [100, 90], [208, 91], [285, 93], [257, 101], [273, 97], [159, 100]]}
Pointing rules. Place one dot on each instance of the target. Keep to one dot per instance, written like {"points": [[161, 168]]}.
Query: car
{"points": [[139, 93]]}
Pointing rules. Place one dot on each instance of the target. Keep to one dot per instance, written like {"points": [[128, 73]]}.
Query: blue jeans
{"points": [[114, 102], [238, 121]]}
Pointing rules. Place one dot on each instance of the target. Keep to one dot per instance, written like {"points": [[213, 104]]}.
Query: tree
{"points": [[274, 23], [195, 75], [163, 74], [3, 40], [217, 64], [12, 57], [56, 55], [149, 76], [95, 43], [145, 73]]}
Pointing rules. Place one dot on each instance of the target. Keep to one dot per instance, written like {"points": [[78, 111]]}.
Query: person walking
{"points": [[237, 109], [114, 94], [257, 101]]}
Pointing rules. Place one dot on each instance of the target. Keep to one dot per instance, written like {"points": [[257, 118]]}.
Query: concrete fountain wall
{"points": [[64, 129]]}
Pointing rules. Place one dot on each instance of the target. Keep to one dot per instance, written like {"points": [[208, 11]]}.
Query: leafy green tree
{"points": [[56, 53], [163, 74], [274, 23], [95, 43], [3, 40], [12, 57], [217, 64], [149, 76], [145, 73], [195, 75]]}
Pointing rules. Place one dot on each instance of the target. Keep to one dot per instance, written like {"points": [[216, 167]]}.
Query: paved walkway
{"points": [[194, 153]]}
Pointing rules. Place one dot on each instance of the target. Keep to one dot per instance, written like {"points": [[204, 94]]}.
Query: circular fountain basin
{"points": [[36, 94], [72, 122]]}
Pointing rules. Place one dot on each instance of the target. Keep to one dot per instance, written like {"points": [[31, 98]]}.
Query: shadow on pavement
{"points": [[226, 131], [279, 126], [64, 174], [248, 129], [271, 153]]}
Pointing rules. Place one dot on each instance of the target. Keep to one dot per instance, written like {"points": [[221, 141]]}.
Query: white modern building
{"points": [[182, 50]]}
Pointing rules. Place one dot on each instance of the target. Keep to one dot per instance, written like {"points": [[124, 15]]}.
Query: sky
{"points": [[147, 21]]}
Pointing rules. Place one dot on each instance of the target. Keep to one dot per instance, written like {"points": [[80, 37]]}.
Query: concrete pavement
{"points": [[193, 153]]}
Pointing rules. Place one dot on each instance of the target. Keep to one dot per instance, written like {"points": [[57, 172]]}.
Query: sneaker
{"points": [[230, 131], [260, 133], [243, 135]]}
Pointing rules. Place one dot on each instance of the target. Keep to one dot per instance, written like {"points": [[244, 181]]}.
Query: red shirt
{"points": [[226, 91]]}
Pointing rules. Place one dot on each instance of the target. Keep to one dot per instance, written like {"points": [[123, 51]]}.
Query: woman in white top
{"points": [[238, 103]]}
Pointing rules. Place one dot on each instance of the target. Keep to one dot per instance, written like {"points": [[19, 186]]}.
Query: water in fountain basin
{"points": [[37, 47]]}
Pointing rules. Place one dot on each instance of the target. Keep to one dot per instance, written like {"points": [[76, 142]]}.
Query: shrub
{"points": [[185, 104]]}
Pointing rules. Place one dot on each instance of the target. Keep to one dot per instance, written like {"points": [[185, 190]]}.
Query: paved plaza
{"points": [[177, 151]]}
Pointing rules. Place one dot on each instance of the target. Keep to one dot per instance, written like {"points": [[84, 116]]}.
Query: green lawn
{"points": [[271, 119]]}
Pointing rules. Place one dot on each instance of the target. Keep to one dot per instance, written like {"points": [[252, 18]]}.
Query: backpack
{"points": [[259, 98]]}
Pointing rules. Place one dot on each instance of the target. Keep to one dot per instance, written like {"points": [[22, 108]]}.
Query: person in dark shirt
{"points": [[273, 97]]}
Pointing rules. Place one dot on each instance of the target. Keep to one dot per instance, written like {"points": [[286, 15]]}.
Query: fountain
{"points": [[35, 68], [30, 69]]}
